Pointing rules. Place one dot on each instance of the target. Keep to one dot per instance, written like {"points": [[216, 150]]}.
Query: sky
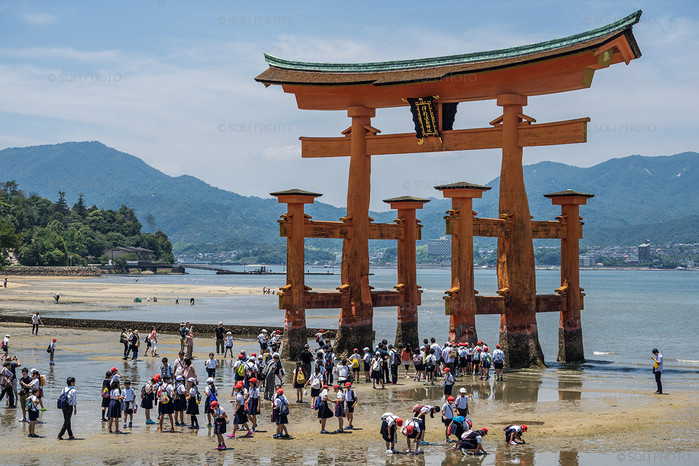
{"points": [[172, 82]]}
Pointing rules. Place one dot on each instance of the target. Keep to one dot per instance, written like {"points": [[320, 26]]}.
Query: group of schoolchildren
{"points": [[454, 416]]}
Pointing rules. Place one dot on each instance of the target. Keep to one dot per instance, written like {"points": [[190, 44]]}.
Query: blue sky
{"points": [[172, 83]]}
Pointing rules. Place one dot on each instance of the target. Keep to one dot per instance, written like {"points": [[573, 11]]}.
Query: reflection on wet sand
{"points": [[570, 388]]}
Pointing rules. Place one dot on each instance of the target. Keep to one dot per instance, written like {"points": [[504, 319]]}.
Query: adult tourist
{"points": [[134, 343], [36, 321], [184, 329], [24, 392], [70, 407], [6, 384], [219, 334], [658, 369], [306, 357], [124, 339], [189, 343], [5, 346]]}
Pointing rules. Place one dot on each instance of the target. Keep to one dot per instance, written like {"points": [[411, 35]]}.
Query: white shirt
{"points": [[211, 364], [324, 394], [448, 410], [390, 418], [413, 422], [461, 402], [113, 394], [437, 349], [193, 391], [35, 319], [129, 395], [262, 338], [316, 380], [180, 389], [498, 355], [72, 396], [350, 396], [179, 366], [366, 357], [341, 396], [343, 371], [659, 357], [239, 399], [279, 400], [445, 355], [448, 379], [254, 392]]}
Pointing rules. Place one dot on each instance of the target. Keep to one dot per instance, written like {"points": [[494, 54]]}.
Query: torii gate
{"points": [[508, 76]]}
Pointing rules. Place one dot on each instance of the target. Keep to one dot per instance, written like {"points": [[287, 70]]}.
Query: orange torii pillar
{"points": [[356, 327], [295, 335], [461, 298], [570, 339], [406, 330], [519, 334]]}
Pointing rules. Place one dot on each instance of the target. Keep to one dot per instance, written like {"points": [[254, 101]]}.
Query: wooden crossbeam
{"points": [[486, 305], [548, 230], [550, 303], [541, 134], [334, 299], [491, 227], [325, 229]]}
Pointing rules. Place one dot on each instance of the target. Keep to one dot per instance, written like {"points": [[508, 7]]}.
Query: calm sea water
{"points": [[627, 313]]}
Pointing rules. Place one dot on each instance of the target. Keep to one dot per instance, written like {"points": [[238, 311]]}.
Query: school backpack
{"points": [[486, 358], [30, 405], [143, 392], [283, 408], [62, 401], [105, 392], [241, 369], [212, 396], [355, 363], [316, 405], [500, 357], [198, 397], [452, 428], [452, 353], [163, 396], [48, 349], [315, 382], [300, 377], [3, 345]]}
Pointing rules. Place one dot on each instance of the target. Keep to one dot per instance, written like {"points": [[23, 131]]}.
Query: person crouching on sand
{"points": [[389, 421], [513, 433], [411, 430], [472, 441]]}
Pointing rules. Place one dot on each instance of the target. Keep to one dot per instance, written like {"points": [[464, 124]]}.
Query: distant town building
{"points": [[439, 247], [143, 254], [586, 261], [644, 252]]}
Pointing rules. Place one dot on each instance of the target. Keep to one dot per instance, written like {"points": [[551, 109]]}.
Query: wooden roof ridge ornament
{"points": [[509, 77]]}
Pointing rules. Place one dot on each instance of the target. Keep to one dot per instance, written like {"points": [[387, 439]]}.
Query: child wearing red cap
{"points": [[448, 381], [51, 350], [351, 400], [498, 362], [448, 414], [253, 401], [513, 433], [220, 421], [389, 421], [281, 406], [412, 430], [241, 418], [324, 411], [472, 441], [339, 408]]}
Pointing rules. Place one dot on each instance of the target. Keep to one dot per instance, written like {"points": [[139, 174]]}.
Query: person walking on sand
{"points": [[229, 344], [189, 343], [351, 401], [281, 406], [219, 334], [240, 421], [33, 404], [461, 403], [36, 321], [5, 346], [153, 337], [134, 343], [253, 401], [324, 411], [51, 350], [498, 362], [193, 398], [220, 421], [658, 369]]}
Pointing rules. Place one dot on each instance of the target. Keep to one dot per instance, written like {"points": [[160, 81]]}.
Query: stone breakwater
{"points": [[161, 327], [51, 271]]}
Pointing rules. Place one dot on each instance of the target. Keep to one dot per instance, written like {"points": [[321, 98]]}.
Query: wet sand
{"points": [[574, 418], [36, 293]]}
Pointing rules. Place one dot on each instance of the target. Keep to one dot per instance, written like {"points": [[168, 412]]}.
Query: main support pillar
{"points": [[295, 335], [519, 336], [355, 329], [570, 339], [461, 298], [407, 330]]}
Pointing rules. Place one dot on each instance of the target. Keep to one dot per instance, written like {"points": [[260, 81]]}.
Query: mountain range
{"points": [[635, 197]]}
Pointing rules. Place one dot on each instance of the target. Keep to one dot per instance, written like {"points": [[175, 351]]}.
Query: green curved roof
{"points": [[550, 45]]}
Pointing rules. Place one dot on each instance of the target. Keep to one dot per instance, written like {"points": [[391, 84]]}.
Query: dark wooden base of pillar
{"points": [[406, 334], [570, 346], [522, 350], [354, 336], [463, 333], [293, 342]]}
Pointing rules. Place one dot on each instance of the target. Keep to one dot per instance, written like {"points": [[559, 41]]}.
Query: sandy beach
{"points": [[571, 420], [30, 293]]}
